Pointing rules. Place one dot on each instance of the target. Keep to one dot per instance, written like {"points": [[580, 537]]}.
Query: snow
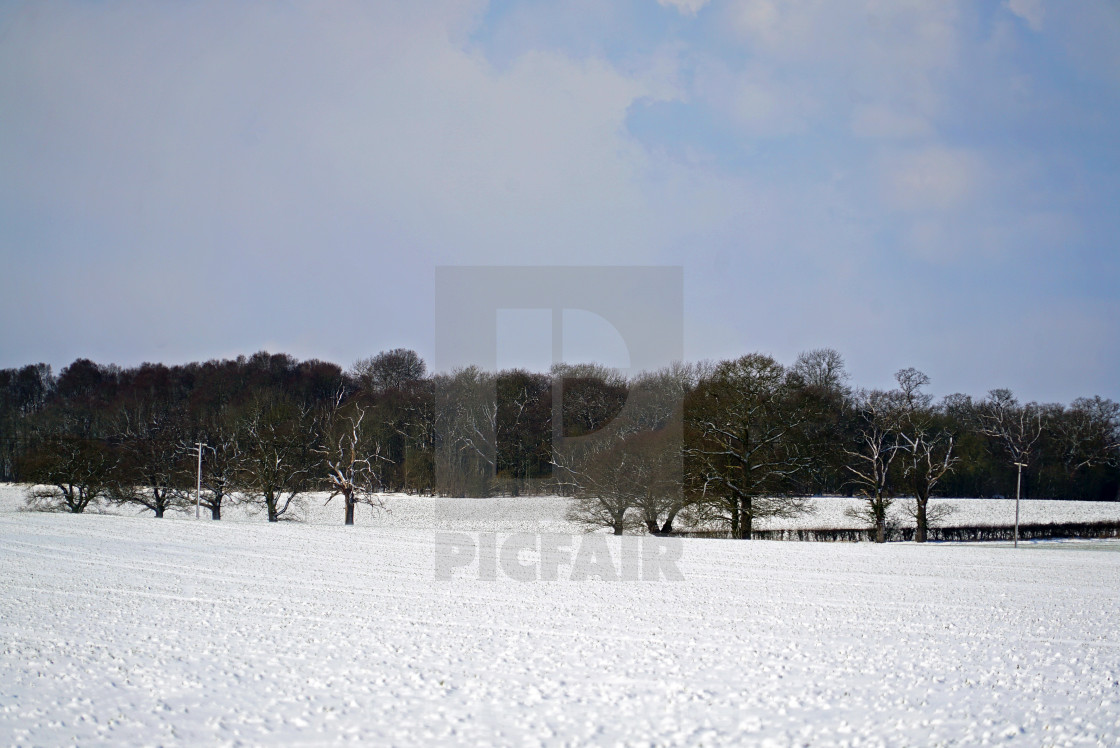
{"points": [[828, 512], [547, 513], [128, 629]]}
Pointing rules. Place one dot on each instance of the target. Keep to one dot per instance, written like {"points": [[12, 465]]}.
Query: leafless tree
{"points": [[523, 427], [878, 417], [1088, 433], [823, 369], [388, 370], [1015, 428], [69, 473], [351, 458], [656, 398], [654, 414], [824, 397], [591, 397], [660, 494], [627, 473], [602, 477], [221, 459], [152, 472], [466, 426], [742, 442], [935, 515], [416, 425], [927, 448], [277, 462]]}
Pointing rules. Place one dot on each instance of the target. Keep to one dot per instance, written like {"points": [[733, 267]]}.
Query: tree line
{"points": [[724, 443]]}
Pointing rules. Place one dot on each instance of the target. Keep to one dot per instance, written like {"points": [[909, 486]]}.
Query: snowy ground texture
{"points": [[121, 629]]}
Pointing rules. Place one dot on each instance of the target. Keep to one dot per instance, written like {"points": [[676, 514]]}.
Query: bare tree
{"points": [[23, 395], [824, 397], [466, 416], [624, 481], [658, 479], [1015, 428], [591, 397], [221, 460], [878, 417], [351, 457], [416, 424], [823, 369], [277, 462], [72, 473], [935, 515], [927, 447], [524, 428], [742, 442], [152, 471], [627, 472], [654, 414], [601, 476], [388, 370], [1088, 433]]}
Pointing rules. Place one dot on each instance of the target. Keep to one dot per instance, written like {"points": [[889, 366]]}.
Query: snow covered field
{"points": [[829, 513], [130, 630], [546, 513]]}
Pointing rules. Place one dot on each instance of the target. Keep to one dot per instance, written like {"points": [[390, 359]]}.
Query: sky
{"points": [[927, 184]]}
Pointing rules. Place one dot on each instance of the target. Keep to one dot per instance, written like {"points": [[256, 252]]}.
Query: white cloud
{"points": [[933, 179], [944, 202], [758, 19], [756, 100], [281, 161], [1030, 11], [685, 7], [174, 120], [883, 66]]}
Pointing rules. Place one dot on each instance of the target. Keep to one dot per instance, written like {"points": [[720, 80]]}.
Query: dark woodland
{"points": [[726, 442]]}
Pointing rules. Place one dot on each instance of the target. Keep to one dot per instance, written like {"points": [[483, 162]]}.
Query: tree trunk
{"points": [[349, 510], [746, 518], [668, 526], [880, 531], [735, 517], [215, 511], [923, 521], [159, 511], [272, 515]]}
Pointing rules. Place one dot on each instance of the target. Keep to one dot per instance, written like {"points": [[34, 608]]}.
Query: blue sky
{"points": [[929, 184]]}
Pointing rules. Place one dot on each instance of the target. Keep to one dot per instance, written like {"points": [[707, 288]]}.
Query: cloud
{"points": [[757, 101], [378, 118], [883, 67], [932, 179], [1030, 11], [685, 7], [277, 161]]}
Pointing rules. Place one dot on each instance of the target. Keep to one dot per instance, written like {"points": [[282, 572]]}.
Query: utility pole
{"points": [[1018, 488], [198, 486]]}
